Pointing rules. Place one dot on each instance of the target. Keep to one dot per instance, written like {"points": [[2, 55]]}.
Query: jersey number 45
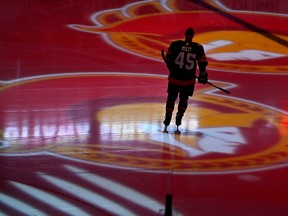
{"points": [[186, 60]]}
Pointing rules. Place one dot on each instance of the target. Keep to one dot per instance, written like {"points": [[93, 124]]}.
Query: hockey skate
{"points": [[178, 122], [167, 121]]}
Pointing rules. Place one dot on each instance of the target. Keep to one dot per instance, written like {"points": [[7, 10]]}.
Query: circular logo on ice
{"points": [[125, 130], [229, 46]]}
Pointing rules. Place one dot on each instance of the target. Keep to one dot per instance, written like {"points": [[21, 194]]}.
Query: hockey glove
{"points": [[203, 77]]}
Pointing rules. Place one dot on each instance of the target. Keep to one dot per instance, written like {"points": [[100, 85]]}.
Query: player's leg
{"points": [[172, 91], [182, 106], [185, 92]]}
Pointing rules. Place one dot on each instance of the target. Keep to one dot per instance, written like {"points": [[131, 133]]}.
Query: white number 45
{"points": [[189, 63]]}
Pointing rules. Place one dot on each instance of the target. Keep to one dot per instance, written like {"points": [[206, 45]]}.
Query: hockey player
{"points": [[181, 59]]}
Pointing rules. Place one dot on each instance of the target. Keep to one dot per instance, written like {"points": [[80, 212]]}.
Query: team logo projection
{"points": [[229, 46], [219, 134]]}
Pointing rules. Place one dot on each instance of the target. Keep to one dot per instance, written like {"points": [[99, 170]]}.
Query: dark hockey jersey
{"points": [[182, 60]]}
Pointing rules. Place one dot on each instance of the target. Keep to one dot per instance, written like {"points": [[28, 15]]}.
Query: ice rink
{"points": [[82, 101]]}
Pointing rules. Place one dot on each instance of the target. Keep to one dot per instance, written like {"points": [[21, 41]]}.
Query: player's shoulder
{"points": [[175, 45]]}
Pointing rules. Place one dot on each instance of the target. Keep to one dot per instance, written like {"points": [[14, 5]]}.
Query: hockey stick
{"points": [[163, 55], [226, 91]]}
